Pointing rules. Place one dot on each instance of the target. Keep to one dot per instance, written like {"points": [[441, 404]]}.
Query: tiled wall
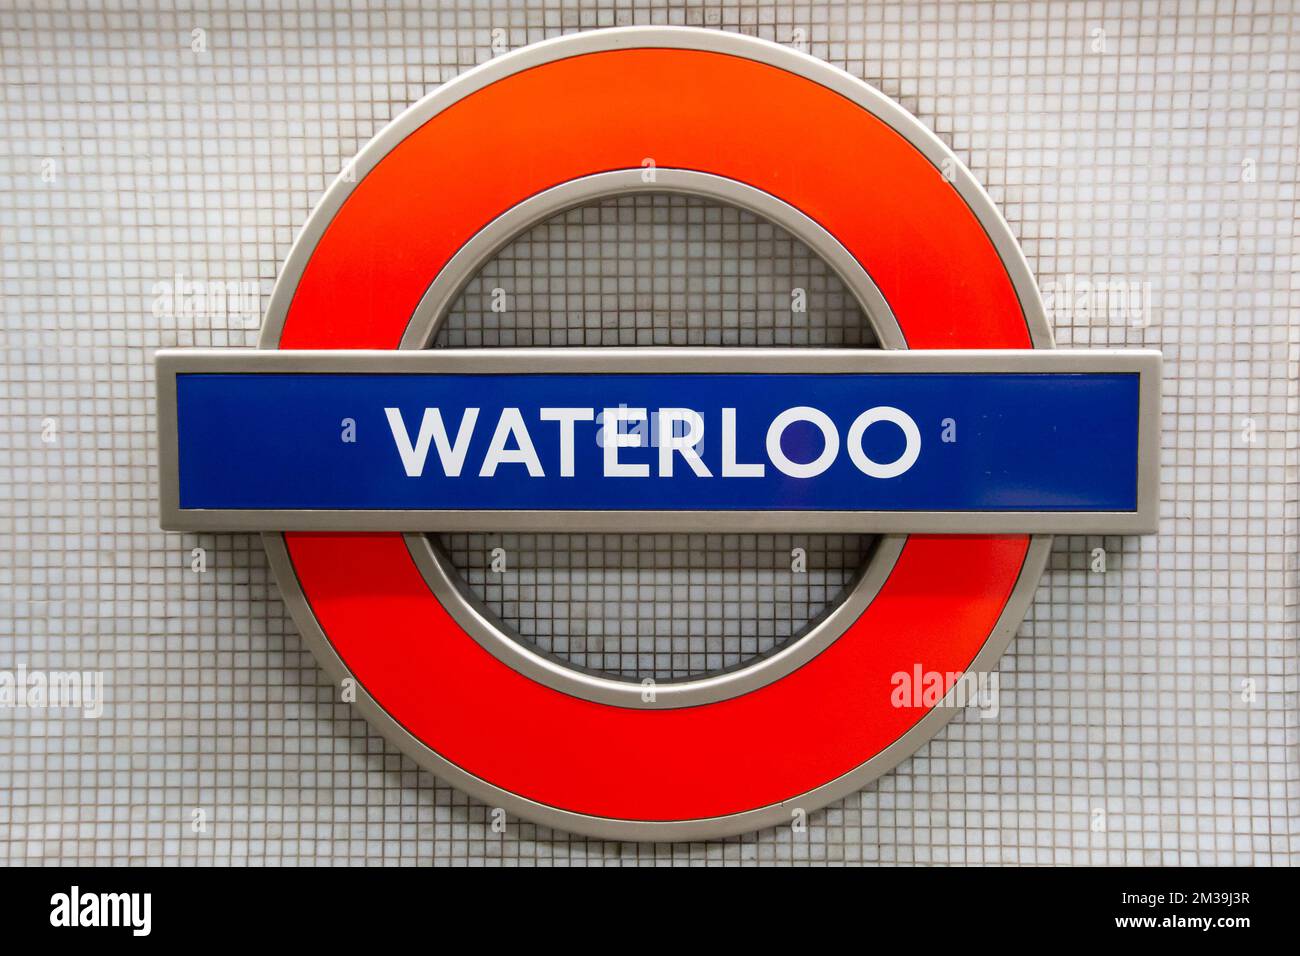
{"points": [[1150, 147]]}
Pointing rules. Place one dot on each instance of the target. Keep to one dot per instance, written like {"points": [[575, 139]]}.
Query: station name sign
{"points": [[650, 439]]}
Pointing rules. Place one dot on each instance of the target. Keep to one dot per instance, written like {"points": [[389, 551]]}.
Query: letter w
{"points": [[431, 427]]}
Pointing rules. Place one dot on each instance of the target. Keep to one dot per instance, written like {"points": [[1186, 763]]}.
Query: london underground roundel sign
{"points": [[964, 441]]}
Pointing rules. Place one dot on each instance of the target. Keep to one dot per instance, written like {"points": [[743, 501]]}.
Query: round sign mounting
{"points": [[742, 122]]}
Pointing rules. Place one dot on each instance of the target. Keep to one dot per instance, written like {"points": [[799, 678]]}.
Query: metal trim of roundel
{"points": [[778, 121]]}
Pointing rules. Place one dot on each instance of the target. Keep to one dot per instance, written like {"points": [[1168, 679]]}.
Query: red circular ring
{"points": [[715, 113]]}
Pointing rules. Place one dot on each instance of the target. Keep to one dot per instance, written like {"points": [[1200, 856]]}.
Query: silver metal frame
{"points": [[701, 828], [1145, 364], [761, 51], [514, 222], [481, 624], [785, 58]]}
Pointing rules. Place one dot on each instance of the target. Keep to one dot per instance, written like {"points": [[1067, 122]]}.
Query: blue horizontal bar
{"points": [[1051, 442]]}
